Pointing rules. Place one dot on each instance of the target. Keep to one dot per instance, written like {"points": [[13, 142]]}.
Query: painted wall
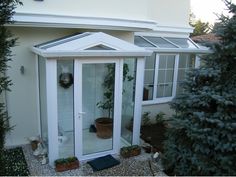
{"points": [[164, 12], [22, 101]]}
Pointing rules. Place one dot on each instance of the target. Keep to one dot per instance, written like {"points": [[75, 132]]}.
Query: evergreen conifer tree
{"points": [[6, 42], [202, 137]]}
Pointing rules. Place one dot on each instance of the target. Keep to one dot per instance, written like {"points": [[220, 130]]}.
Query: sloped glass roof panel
{"points": [[100, 47], [139, 41], [182, 42], [59, 41], [160, 42]]}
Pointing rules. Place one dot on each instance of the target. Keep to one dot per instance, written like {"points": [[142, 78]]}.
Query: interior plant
{"points": [[202, 137], [108, 85], [64, 164], [130, 151], [7, 41]]}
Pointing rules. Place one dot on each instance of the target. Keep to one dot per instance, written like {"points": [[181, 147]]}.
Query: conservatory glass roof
{"points": [[169, 44]]}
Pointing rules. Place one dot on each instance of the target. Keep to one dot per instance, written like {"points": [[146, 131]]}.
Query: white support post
{"points": [[38, 94], [118, 104], [51, 87], [138, 100]]}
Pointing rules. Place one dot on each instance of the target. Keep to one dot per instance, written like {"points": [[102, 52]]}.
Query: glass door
{"points": [[97, 114]]}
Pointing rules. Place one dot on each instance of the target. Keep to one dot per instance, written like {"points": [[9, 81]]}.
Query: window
{"points": [[186, 62], [164, 76]]}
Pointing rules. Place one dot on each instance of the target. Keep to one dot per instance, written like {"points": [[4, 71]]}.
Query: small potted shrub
{"points": [[130, 151], [65, 164]]}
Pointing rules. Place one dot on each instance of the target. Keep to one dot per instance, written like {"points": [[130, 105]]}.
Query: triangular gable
{"points": [[90, 44]]}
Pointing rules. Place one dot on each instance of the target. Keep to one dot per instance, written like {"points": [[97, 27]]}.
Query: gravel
{"points": [[141, 165]]}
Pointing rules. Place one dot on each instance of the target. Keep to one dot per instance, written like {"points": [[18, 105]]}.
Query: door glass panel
{"points": [[98, 81], [65, 102], [128, 101]]}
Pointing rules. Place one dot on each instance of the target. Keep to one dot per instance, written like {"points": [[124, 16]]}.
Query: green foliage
{"points": [[108, 85], [202, 140], [14, 163], [200, 28], [63, 161], [160, 117], [146, 118], [6, 42]]}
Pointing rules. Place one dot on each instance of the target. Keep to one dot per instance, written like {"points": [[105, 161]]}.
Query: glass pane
{"points": [[160, 90], [65, 101], [170, 61], [128, 102], [182, 42], [43, 99], [169, 76], [160, 42], [168, 89], [150, 62], [98, 82], [149, 77], [161, 76], [181, 75], [162, 61], [141, 42], [148, 92], [182, 60], [100, 47]]}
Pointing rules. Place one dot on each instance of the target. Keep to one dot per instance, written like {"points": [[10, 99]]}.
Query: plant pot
{"points": [[104, 127], [67, 166], [130, 151], [34, 144]]}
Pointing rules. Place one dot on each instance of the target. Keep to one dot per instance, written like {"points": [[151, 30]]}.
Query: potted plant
{"points": [[65, 164], [130, 151], [104, 125]]}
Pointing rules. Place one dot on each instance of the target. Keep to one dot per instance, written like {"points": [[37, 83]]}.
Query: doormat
{"points": [[102, 163]]}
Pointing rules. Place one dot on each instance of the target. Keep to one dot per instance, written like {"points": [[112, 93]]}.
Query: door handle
{"points": [[81, 113]]}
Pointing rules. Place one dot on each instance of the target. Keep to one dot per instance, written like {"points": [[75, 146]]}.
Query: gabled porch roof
{"points": [[89, 44]]}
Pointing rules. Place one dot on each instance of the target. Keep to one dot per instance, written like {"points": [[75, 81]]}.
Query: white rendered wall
{"points": [[164, 12], [156, 108], [22, 100]]}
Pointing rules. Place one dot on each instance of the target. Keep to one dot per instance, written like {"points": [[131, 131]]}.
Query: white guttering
{"points": [[180, 50], [90, 53], [61, 21]]}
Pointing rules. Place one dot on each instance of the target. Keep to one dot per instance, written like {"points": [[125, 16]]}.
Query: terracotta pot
{"points": [[104, 127], [67, 166]]}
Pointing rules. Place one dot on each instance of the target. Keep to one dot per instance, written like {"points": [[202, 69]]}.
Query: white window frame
{"points": [[156, 100]]}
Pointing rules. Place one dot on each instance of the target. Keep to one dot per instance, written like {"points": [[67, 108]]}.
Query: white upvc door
{"points": [[88, 92]]}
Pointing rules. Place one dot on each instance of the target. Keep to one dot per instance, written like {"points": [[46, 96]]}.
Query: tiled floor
{"points": [[91, 144]]}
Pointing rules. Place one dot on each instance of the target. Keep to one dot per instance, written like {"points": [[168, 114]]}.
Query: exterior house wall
{"points": [[165, 13], [22, 101], [156, 108]]}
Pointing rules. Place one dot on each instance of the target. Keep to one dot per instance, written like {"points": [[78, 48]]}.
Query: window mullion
{"points": [[175, 75], [156, 77]]}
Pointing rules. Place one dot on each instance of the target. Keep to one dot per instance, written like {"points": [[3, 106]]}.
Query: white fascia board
{"points": [[182, 50], [61, 21], [168, 31], [91, 53]]}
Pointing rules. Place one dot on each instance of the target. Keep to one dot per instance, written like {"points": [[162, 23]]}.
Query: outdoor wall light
{"points": [[22, 70]]}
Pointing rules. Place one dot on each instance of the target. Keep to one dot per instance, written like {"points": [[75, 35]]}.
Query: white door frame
{"points": [[78, 116]]}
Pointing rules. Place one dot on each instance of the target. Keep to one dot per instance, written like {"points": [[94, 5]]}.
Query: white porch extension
{"points": [[86, 61]]}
